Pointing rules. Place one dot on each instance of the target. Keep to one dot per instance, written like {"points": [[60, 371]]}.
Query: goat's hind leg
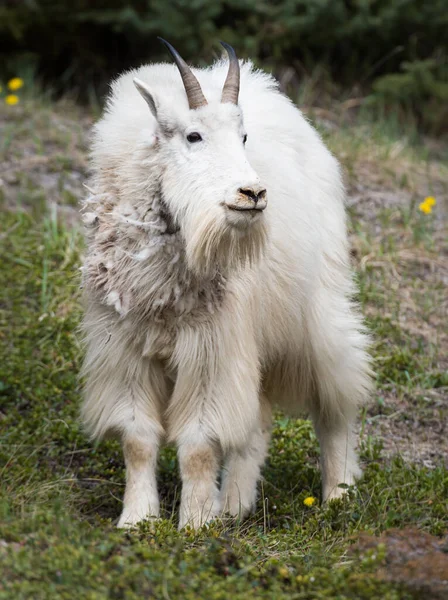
{"points": [[343, 381], [242, 468], [339, 463]]}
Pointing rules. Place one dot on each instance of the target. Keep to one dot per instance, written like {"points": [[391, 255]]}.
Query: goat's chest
{"points": [[179, 308], [148, 283]]}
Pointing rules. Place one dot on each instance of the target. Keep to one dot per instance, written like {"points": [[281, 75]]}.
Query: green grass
{"points": [[60, 496]]}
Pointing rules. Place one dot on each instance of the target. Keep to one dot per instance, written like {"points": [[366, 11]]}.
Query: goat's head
{"points": [[207, 183]]}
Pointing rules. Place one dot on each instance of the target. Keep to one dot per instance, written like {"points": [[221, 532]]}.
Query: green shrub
{"points": [[78, 37], [79, 44], [420, 87]]}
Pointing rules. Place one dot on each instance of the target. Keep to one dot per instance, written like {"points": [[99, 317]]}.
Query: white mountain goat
{"points": [[217, 284]]}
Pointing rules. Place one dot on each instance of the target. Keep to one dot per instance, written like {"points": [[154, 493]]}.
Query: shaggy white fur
{"points": [[201, 316]]}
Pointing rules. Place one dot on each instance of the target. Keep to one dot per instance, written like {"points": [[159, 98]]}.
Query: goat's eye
{"points": [[244, 138], [194, 137]]}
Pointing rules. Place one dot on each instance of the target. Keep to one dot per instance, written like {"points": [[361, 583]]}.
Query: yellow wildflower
{"points": [[1, 89], [427, 204], [425, 208], [309, 501], [11, 99], [15, 84], [283, 572]]}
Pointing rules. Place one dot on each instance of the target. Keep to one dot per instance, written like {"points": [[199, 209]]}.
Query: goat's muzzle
{"points": [[249, 199]]}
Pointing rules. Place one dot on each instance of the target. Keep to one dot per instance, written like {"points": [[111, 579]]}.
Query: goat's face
{"points": [[207, 184], [206, 171]]}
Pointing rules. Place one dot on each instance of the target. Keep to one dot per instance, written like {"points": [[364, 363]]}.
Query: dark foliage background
{"points": [[397, 48]]}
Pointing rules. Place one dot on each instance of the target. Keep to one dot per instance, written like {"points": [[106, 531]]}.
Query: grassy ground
{"points": [[60, 496]]}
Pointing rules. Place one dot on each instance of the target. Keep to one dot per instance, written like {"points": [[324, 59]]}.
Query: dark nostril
{"points": [[249, 193], [252, 195]]}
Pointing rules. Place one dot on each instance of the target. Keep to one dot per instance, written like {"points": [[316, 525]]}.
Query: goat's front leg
{"points": [[214, 408], [141, 434], [141, 499], [124, 393], [199, 462]]}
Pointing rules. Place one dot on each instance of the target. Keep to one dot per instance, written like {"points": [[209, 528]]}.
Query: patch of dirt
{"points": [[413, 427], [413, 558], [43, 158], [411, 281]]}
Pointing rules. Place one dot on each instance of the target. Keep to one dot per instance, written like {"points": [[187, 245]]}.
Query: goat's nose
{"points": [[257, 194]]}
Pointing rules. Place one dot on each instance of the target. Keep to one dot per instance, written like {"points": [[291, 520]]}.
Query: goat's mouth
{"points": [[247, 200], [248, 209], [244, 216], [247, 205]]}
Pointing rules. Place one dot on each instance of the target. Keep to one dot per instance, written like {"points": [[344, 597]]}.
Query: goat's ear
{"points": [[146, 94]]}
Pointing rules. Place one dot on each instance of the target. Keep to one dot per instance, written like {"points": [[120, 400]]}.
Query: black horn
{"points": [[194, 92], [231, 87]]}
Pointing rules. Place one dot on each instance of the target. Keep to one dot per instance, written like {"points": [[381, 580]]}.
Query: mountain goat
{"points": [[217, 284]]}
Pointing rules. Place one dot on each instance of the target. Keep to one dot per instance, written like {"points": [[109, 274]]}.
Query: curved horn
{"points": [[194, 93], [231, 87]]}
